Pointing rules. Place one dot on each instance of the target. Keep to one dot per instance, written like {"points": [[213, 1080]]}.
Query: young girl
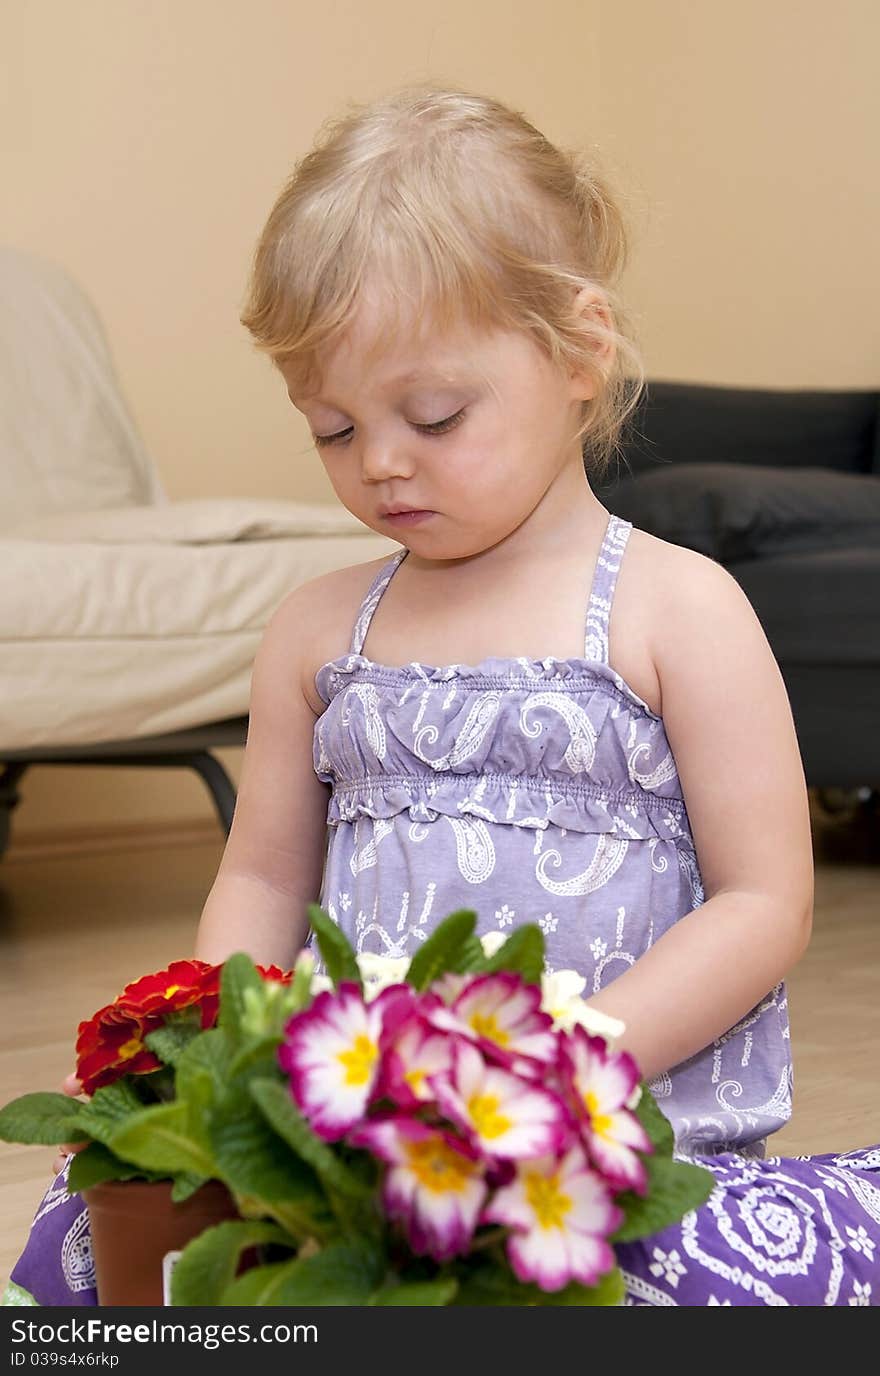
{"points": [[530, 709]]}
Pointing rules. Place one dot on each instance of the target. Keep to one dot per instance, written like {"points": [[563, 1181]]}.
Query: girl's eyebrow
{"points": [[427, 374], [416, 374]]}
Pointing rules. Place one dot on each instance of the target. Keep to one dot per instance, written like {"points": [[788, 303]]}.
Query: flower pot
{"points": [[134, 1224]]}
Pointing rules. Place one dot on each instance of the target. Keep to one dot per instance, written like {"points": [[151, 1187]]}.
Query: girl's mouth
{"points": [[407, 518]]}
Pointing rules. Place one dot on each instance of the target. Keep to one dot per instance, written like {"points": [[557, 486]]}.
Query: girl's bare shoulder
{"points": [[683, 601], [316, 619], [678, 580]]}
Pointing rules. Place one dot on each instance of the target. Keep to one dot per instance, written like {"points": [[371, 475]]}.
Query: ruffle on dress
{"points": [[527, 743], [521, 802]]}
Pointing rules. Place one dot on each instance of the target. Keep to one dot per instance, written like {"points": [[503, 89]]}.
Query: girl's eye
{"points": [[438, 427]]}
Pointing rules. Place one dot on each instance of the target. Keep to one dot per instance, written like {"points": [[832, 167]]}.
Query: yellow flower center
{"points": [[599, 1122], [359, 1060], [483, 1109], [416, 1080], [438, 1167], [130, 1048], [171, 991], [486, 1026], [547, 1199]]}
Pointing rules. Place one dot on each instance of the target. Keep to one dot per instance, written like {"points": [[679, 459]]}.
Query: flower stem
{"points": [[488, 1240]]}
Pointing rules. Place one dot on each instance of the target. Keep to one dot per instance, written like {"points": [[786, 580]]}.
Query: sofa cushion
{"points": [[108, 640], [196, 521], [688, 422], [67, 439], [732, 511], [820, 608]]}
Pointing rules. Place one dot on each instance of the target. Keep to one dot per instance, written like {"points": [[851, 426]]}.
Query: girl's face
{"points": [[470, 432]]}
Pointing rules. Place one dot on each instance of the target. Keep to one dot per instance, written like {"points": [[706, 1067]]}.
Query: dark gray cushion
{"points": [[683, 422], [733, 511], [820, 608]]}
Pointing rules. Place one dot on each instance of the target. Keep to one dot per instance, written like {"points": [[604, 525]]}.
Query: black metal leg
{"points": [[209, 769], [218, 783], [9, 798]]}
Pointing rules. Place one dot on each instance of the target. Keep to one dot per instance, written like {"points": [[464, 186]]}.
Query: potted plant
{"points": [[457, 1129]]}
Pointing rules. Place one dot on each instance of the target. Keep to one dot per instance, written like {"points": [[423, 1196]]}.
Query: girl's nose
{"points": [[383, 459]]}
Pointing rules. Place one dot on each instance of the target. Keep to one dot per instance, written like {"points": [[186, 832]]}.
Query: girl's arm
{"points": [[730, 728], [271, 867]]}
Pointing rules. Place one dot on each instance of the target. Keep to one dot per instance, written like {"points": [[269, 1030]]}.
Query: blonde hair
{"points": [[466, 213]]}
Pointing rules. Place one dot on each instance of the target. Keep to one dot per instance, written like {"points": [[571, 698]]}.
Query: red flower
{"points": [[184, 983], [111, 1044], [275, 973]]}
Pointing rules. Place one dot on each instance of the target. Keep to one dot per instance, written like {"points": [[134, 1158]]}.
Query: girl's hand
{"points": [[72, 1087]]}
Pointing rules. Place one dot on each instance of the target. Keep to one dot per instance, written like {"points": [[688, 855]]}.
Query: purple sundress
{"points": [[546, 791]]}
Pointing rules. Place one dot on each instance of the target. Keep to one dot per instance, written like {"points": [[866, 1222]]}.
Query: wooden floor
{"points": [[74, 930]]}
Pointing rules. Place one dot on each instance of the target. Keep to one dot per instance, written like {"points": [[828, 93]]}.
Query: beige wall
{"points": [[142, 145], [747, 134]]}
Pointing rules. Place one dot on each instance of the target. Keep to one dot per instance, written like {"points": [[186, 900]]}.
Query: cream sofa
{"points": [[128, 622]]}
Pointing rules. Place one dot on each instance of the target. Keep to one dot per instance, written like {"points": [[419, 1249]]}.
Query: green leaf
{"points": [[336, 950], [262, 1285], [492, 1283], [201, 1080], [109, 1108], [42, 1119], [185, 1185], [252, 1160], [274, 1101], [471, 959], [522, 953], [674, 1188], [208, 1264], [210, 1052], [442, 949], [98, 1163], [299, 990], [428, 1294], [654, 1122], [238, 976], [341, 1274], [160, 1139], [258, 1058], [170, 1042]]}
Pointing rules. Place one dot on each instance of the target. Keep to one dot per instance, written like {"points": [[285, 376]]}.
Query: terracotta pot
{"points": [[134, 1224]]}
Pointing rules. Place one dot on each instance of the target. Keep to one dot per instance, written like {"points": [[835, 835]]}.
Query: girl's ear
{"points": [[592, 309]]}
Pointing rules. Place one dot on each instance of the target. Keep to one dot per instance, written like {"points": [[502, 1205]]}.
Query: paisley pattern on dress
{"points": [[581, 749], [607, 859], [474, 850], [546, 791]]}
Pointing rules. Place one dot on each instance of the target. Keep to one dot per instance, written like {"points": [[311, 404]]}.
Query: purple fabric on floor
{"points": [[56, 1266], [801, 1231], [796, 1231]]}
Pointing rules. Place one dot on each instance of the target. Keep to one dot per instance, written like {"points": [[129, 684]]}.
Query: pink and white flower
{"points": [[332, 1053], [434, 1186], [503, 1016], [417, 1052], [504, 1115], [602, 1082], [562, 1214]]}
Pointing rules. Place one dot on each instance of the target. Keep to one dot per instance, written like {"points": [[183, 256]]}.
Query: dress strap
{"points": [[602, 590], [372, 600]]}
